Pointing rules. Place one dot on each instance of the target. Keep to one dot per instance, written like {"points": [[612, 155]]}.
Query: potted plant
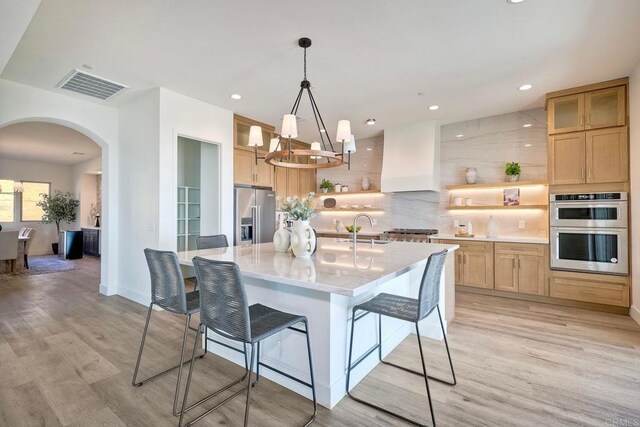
{"points": [[303, 237], [326, 186], [59, 207], [512, 170]]}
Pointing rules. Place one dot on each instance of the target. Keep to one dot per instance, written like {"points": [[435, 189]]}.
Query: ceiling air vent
{"points": [[90, 85]]}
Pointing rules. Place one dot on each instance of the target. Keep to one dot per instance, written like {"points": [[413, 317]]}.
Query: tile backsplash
{"points": [[486, 144]]}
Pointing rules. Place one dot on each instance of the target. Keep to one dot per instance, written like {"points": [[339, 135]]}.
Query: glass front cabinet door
{"points": [[605, 108], [566, 114]]}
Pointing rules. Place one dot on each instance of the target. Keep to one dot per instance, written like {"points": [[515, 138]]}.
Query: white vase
{"points": [[471, 175], [492, 227], [282, 240], [365, 183], [303, 239]]}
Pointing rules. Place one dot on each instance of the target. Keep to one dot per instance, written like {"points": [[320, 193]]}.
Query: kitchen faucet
{"points": [[355, 223]]}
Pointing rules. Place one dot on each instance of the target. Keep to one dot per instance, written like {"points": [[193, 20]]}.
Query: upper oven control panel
{"points": [[588, 197]]}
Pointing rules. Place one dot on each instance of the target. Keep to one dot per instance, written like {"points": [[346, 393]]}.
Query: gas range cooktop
{"points": [[409, 234], [423, 231]]}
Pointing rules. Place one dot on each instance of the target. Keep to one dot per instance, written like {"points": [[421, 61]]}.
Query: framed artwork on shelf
{"points": [[511, 197]]}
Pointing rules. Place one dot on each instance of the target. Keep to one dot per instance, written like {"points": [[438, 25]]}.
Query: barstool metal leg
{"points": [[186, 390], [184, 343], [426, 377], [313, 384], [144, 336], [446, 344], [248, 404]]}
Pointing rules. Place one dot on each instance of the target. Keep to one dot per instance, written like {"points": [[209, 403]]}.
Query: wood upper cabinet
{"points": [[605, 108], [264, 174], [566, 114], [596, 109], [521, 267], [241, 127], [567, 158], [607, 155], [243, 164]]}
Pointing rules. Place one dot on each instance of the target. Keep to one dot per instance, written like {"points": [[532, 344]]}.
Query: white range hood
{"points": [[411, 158]]}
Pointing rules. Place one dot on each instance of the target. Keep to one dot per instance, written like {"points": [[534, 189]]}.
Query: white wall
{"points": [[634, 144], [138, 199], [60, 177], [21, 103]]}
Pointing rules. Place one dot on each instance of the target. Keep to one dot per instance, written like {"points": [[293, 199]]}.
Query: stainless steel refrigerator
{"points": [[255, 215]]}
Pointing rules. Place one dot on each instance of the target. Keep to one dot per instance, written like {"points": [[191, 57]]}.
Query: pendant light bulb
{"points": [[289, 126]]}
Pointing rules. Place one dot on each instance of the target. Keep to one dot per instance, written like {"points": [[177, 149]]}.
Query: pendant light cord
{"points": [[305, 63]]}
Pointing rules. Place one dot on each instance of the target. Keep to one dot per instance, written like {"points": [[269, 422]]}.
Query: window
{"points": [[7, 199], [31, 195]]}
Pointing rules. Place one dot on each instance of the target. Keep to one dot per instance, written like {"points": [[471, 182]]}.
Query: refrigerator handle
{"points": [[258, 222], [254, 223]]}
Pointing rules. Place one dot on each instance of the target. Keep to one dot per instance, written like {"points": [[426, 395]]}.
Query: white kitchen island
{"points": [[325, 288]]}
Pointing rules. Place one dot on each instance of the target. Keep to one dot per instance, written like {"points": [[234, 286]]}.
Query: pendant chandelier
{"points": [[321, 154]]}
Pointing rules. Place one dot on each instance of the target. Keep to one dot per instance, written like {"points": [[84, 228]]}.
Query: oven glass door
{"points": [[598, 250], [586, 214]]}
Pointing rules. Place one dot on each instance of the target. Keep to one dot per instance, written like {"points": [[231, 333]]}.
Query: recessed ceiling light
{"points": [[434, 107], [371, 122], [527, 145], [525, 87], [235, 96], [527, 125], [369, 148], [515, 1], [459, 136]]}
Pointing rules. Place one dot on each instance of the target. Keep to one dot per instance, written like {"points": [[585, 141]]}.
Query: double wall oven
{"points": [[589, 232]]}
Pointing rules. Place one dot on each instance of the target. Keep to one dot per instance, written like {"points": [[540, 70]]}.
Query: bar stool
{"points": [[168, 292], [224, 310], [212, 242], [410, 310]]}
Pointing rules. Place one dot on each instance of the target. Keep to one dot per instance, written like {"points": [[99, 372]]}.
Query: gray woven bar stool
{"points": [[212, 242], [410, 310], [168, 292], [224, 310]]}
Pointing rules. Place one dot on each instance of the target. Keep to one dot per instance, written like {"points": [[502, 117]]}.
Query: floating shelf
{"points": [[349, 209], [487, 185], [346, 193], [497, 207]]}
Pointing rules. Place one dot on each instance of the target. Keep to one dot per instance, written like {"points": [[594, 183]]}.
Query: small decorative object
{"points": [[338, 188], [329, 203], [355, 206], [98, 220], [512, 170], [345, 188], [368, 206], [492, 227], [282, 237], [511, 197], [457, 201], [471, 175], [469, 227], [59, 207], [303, 237], [350, 228], [0, 227], [365, 183], [338, 224], [468, 202], [326, 186], [461, 231]]}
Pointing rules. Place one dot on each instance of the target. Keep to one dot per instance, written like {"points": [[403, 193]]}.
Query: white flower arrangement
{"points": [[299, 209]]}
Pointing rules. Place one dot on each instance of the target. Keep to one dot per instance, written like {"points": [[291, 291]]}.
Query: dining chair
{"points": [[9, 247], [212, 242], [30, 235]]}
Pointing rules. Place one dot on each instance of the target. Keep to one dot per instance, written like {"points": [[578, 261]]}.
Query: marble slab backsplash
{"points": [[487, 144]]}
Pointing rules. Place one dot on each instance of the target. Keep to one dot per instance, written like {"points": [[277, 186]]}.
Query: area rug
{"points": [[48, 264]]}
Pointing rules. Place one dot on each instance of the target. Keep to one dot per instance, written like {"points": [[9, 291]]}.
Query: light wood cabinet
{"points": [[241, 127], [247, 172], [520, 267], [595, 109], [474, 263], [295, 182], [594, 157], [567, 158], [607, 155], [593, 288]]}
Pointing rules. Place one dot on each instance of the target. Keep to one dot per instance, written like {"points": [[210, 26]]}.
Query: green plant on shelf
{"points": [[512, 169], [326, 185], [350, 228]]}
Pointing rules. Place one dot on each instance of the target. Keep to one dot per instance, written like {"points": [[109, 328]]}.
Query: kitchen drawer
{"points": [[519, 249], [599, 291]]}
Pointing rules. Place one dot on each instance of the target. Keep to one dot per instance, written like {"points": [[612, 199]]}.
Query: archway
{"points": [[107, 267]]}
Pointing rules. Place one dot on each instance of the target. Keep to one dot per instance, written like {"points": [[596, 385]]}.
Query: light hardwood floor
{"points": [[67, 355]]}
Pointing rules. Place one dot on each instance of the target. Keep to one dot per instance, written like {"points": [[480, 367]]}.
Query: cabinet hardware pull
{"points": [[589, 173], [582, 173], [582, 120], [589, 119]]}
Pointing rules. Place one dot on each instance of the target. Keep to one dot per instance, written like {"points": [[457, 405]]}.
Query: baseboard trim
{"points": [[634, 312], [134, 296]]}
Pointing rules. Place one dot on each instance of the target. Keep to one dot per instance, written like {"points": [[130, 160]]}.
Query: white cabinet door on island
{"points": [[325, 288]]}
